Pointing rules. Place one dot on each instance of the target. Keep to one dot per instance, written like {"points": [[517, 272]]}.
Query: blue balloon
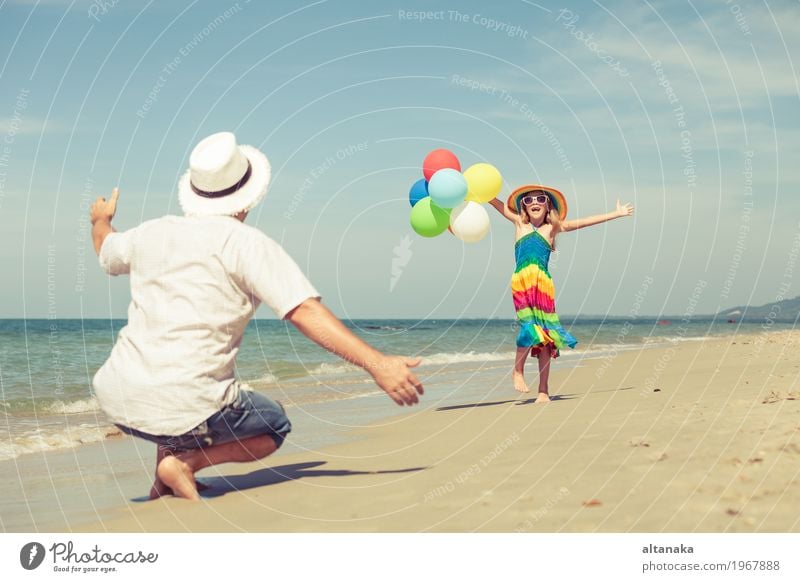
{"points": [[447, 188], [418, 191]]}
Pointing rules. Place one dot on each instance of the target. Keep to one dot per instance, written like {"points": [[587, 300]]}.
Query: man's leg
{"points": [[177, 471], [159, 488]]}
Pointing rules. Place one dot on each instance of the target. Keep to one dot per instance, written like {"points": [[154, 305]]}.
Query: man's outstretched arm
{"points": [[101, 213], [391, 373]]}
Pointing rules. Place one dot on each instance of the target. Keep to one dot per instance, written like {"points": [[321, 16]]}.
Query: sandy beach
{"points": [[699, 436]]}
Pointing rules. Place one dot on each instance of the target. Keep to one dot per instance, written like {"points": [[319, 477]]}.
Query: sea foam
{"points": [[52, 439]]}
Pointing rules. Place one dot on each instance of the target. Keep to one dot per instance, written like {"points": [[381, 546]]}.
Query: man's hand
{"points": [[102, 209], [626, 210], [393, 374], [101, 214]]}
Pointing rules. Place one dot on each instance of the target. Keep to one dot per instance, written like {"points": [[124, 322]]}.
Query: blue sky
{"points": [[686, 109]]}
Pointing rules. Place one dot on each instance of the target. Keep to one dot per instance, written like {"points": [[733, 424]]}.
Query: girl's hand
{"points": [[502, 209], [104, 209], [626, 210]]}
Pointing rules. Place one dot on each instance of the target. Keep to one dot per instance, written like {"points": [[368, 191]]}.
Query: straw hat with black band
{"points": [[557, 199]]}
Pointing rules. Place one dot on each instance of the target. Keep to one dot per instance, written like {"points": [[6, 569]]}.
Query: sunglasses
{"points": [[529, 199]]}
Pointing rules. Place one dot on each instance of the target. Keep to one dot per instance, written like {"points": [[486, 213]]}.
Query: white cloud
{"points": [[729, 83], [26, 125], [711, 55]]}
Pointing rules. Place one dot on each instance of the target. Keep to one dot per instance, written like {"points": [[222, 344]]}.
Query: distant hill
{"points": [[786, 311]]}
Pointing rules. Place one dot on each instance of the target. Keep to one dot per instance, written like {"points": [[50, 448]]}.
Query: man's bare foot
{"points": [[159, 489], [519, 383], [178, 476], [543, 397]]}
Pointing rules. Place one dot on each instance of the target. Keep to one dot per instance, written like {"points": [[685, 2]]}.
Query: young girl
{"points": [[538, 214]]}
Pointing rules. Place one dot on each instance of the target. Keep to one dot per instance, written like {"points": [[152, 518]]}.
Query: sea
{"points": [[47, 365]]}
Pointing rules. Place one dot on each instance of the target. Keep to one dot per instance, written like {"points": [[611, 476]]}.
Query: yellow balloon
{"points": [[483, 181]]}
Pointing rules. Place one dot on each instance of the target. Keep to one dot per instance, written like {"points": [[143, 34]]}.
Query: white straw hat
{"points": [[223, 177]]}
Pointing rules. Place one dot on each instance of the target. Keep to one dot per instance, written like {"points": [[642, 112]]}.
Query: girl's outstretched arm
{"points": [[502, 209], [622, 210]]}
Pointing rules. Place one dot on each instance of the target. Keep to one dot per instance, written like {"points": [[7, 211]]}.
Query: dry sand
{"points": [[698, 436]]}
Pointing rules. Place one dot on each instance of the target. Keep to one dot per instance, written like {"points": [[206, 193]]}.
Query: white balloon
{"points": [[469, 221]]}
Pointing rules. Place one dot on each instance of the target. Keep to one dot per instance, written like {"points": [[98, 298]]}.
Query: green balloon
{"points": [[429, 220]]}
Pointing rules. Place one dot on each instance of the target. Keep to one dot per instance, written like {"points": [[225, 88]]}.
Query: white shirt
{"points": [[195, 283]]}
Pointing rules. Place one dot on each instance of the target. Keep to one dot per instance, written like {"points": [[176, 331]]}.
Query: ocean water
{"points": [[46, 366]]}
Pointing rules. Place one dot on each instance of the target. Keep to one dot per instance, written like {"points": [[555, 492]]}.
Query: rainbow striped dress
{"points": [[534, 296]]}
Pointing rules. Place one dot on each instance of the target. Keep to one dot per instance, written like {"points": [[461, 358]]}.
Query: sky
{"points": [[686, 109]]}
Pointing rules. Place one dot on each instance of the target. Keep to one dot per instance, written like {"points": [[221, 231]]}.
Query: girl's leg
{"points": [[519, 370], [544, 374]]}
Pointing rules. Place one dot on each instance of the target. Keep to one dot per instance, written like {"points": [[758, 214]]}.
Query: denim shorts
{"points": [[251, 414]]}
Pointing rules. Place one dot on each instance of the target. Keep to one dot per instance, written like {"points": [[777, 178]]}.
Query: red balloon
{"points": [[437, 160]]}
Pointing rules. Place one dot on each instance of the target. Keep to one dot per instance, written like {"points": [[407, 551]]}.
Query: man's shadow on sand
{"points": [[219, 486]]}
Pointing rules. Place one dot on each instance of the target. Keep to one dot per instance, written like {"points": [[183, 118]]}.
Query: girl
{"points": [[538, 214]]}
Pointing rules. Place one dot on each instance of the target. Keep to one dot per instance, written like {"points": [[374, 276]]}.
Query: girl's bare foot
{"points": [[543, 397], [178, 476], [519, 383]]}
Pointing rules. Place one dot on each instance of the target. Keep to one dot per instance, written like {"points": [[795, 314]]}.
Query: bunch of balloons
{"points": [[446, 199]]}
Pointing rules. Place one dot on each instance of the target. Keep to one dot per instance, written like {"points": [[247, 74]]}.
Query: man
{"points": [[196, 281]]}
